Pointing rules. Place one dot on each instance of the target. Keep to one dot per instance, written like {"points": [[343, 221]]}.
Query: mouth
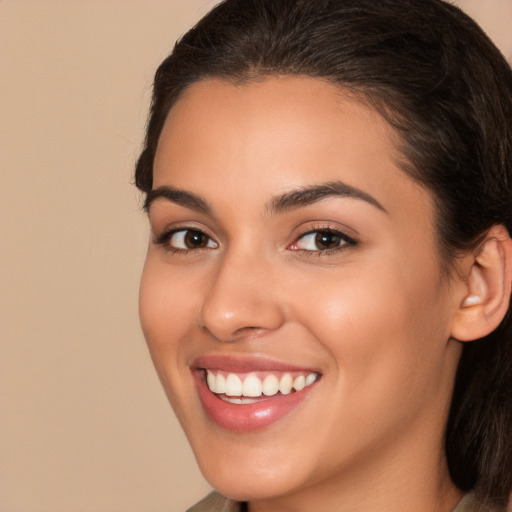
{"points": [[246, 388], [245, 395]]}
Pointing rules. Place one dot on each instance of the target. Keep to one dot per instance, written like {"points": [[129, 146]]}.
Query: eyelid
{"points": [[174, 234], [160, 228], [348, 241], [165, 236]]}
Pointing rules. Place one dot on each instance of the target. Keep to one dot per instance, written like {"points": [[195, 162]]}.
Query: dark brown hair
{"points": [[447, 91]]}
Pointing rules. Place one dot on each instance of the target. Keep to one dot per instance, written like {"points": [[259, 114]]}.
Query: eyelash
{"points": [[344, 239], [164, 240]]}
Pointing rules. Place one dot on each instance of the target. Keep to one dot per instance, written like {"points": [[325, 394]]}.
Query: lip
{"points": [[244, 364], [246, 417]]}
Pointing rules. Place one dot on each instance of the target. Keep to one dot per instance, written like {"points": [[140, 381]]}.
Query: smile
{"points": [[246, 387], [244, 395]]}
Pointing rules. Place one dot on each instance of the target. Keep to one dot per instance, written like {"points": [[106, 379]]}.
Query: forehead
{"points": [[271, 104], [277, 134]]}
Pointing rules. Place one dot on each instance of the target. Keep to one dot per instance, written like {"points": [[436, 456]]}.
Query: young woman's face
{"points": [[292, 297]]}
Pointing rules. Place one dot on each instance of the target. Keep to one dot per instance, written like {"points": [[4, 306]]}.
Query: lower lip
{"points": [[247, 417]]}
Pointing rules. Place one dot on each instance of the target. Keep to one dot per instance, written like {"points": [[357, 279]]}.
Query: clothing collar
{"points": [[214, 502]]}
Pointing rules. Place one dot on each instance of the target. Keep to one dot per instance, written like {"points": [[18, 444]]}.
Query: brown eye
{"points": [[195, 239], [323, 240], [189, 239], [327, 240]]}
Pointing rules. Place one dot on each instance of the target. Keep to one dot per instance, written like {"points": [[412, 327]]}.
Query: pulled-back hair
{"points": [[447, 91]]}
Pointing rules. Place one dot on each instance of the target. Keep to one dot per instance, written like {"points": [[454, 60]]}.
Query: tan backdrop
{"points": [[84, 425]]}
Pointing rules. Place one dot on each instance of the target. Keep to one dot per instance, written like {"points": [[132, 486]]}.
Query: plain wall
{"points": [[84, 424]]}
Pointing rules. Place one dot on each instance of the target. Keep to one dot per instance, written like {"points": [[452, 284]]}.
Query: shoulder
{"points": [[214, 502], [469, 503]]}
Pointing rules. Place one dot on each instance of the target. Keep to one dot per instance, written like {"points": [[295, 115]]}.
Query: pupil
{"points": [[327, 240], [194, 239]]}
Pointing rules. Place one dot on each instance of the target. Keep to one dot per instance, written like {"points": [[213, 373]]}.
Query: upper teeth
{"points": [[250, 385]]}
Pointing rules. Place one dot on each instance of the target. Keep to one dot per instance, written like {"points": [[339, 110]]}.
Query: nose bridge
{"points": [[241, 297]]}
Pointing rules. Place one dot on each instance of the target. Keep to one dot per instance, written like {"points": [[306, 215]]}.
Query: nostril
{"points": [[242, 332], [231, 310], [229, 320], [249, 330]]}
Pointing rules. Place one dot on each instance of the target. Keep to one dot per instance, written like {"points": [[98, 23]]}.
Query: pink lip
{"points": [[245, 417], [241, 364]]}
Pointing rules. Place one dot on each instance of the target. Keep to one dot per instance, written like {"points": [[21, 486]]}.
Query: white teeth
{"points": [[299, 383], [270, 385], [239, 401], [310, 379], [252, 386], [211, 380], [232, 385], [285, 384], [216, 383], [220, 384]]}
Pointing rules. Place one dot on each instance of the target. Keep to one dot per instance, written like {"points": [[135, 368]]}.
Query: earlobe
{"points": [[488, 287]]}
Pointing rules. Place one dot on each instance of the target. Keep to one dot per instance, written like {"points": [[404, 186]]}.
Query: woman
{"points": [[327, 288]]}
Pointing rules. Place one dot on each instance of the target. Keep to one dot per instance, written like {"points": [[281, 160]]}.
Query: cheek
{"points": [[164, 315], [166, 319], [385, 328]]}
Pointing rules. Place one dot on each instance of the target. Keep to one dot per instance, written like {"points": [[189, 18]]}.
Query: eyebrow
{"points": [[180, 197], [306, 196], [301, 197]]}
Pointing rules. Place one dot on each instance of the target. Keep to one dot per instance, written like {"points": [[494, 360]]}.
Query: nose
{"points": [[241, 299]]}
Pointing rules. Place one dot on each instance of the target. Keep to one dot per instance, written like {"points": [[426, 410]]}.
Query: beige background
{"points": [[84, 425]]}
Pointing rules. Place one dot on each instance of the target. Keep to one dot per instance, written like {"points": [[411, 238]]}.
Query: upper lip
{"points": [[245, 364]]}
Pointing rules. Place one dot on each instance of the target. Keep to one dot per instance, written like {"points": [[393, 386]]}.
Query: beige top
{"points": [[214, 502]]}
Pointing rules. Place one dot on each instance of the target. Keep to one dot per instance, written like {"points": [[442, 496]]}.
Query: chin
{"points": [[249, 484], [243, 472]]}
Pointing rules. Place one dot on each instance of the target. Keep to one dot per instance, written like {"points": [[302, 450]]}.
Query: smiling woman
{"points": [[327, 283]]}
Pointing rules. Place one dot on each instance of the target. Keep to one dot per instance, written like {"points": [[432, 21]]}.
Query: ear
{"points": [[487, 274]]}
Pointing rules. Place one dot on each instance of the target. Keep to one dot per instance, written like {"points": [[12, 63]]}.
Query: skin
{"points": [[373, 317]]}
